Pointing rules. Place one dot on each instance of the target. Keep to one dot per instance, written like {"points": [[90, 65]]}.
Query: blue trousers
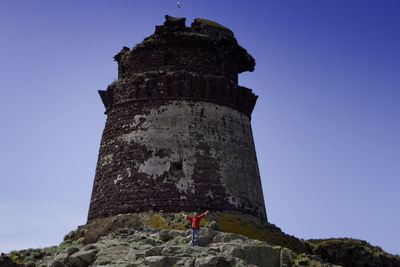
{"points": [[196, 232]]}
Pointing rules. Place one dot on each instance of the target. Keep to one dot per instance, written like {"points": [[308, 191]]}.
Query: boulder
{"points": [[206, 236], [77, 262], [72, 250], [6, 261], [211, 261], [151, 241], [260, 255], [227, 237], [61, 257], [183, 251], [189, 262], [166, 235], [83, 258], [160, 261], [58, 264], [286, 257], [155, 251]]}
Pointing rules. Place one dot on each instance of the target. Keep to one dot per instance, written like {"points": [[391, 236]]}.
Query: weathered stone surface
{"points": [[119, 251], [160, 261], [166, 235], [83, 258], [189, 263], [185, 251], [286, 257], [62, 257], [155, 251], [227, 237], [58, 264], [211, 261], [77, 262], [72, 250], [207, 235], [260, 255], [6, 261], [178, 125]]}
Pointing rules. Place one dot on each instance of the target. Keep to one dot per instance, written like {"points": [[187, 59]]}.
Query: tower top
{"points": [[200, 63], [174, 37]]}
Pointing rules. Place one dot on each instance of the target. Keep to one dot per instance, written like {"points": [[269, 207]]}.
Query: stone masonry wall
{"points": [[176, 155]]}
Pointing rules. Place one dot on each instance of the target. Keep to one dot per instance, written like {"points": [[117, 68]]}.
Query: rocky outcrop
{"points": [[114, 245], [240, 225], [155, 247], [352, 252], [162, 239]]}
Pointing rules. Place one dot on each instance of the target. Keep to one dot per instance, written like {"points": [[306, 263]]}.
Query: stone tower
{"points": [[178, 134]]}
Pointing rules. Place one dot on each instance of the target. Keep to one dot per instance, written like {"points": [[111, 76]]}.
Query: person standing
{"points": [[195, 225]]}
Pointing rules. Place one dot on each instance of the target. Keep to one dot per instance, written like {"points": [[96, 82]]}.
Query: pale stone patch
{"points": [[107, 159], [183, 129], [119, 178], [233, 201], [155, 166]]}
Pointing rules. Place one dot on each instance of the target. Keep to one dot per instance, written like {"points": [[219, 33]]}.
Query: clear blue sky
{"points": [[326, 124]]}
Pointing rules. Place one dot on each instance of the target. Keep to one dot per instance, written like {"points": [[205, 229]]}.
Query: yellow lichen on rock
{"points": [[255, 229], [158, 222]]}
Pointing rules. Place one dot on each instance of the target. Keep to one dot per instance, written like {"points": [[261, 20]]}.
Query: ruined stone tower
{"points": [[178, 134]]}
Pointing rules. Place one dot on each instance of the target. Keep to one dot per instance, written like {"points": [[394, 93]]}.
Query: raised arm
{"points": [[204, 214], [187, 216]]}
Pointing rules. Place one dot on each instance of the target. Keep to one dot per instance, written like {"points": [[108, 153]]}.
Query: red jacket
{"points": [[195, 221]]}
